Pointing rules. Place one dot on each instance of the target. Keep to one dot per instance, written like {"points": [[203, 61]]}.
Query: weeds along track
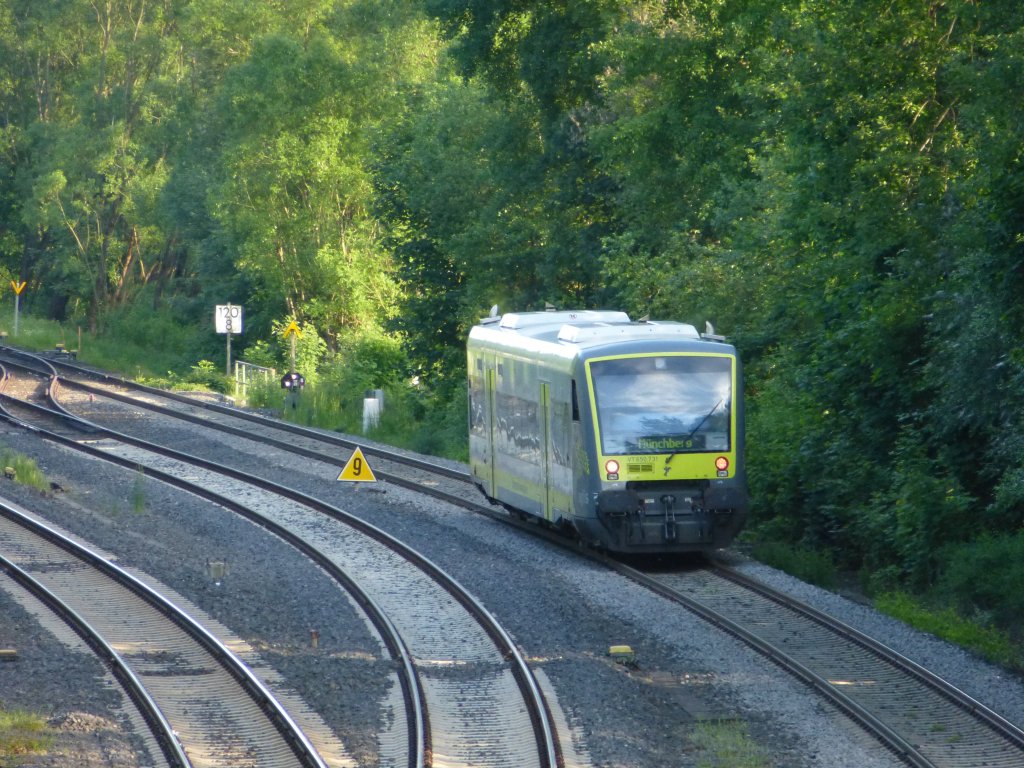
{"points": [[488, 712]]}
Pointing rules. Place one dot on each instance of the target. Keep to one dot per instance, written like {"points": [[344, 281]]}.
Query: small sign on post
{"points": [[18, 288], [227, 319], [293, 331]]}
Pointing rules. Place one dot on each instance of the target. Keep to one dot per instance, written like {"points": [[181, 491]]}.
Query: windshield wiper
{"points": [[693, 432]]}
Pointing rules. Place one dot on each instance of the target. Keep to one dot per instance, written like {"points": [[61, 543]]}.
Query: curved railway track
{"points": [[493, 715], [203, 704], [922, 719]]}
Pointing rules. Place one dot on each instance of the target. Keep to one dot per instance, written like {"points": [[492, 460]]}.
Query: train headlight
{"points": [[722, 465], [611, 468]]}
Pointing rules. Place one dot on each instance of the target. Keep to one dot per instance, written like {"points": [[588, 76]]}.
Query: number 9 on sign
{"points": [[357, 470]]}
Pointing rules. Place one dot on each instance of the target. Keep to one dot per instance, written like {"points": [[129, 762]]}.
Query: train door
{"points": [[546, 449], [490, 397]]}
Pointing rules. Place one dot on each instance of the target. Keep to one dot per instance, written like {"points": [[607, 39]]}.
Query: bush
{"points": [[441, 428], [260, 352], [372, 359], [986, 578], [143, 341], [813, 566], [917, 510], [1007, 509]]}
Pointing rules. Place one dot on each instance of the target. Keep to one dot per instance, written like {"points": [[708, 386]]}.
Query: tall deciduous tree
{"points": [[88, 172], [298, 119]]}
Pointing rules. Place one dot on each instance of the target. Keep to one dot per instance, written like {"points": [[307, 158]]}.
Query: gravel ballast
{"points": [[563, 612]]}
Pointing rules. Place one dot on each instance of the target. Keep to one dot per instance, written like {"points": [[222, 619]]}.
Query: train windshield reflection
{"points": [[663, 403]]}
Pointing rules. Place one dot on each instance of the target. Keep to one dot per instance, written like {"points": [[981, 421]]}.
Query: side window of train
{"points": [[575, 403]]}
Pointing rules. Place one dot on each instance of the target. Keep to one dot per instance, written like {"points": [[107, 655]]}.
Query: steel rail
{"points": [[255, 688], [275, 424], [161, 729], [887, 736], [994, 720], [418, 737], [548, 748], [238, 413]]}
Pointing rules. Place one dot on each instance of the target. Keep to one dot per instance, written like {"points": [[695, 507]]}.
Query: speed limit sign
{"points": [[228, 318]]}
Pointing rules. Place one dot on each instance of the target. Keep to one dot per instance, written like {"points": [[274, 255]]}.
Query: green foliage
{"points": [[917, 513], [726, 744], [426, 425], [992, 644], [142, 338], [21, 734], [33, 332], [26, 471], [1007, 510], [262, 353], [371, 360], [205, 375], [814, 566], [985, 578]]}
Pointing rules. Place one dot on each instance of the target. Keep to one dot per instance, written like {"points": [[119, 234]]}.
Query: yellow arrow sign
{"points": [[292, 328], [18, 287], [357, 470]]}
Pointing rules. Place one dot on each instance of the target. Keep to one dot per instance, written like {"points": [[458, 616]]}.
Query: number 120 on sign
{"points": [[228, 318]]}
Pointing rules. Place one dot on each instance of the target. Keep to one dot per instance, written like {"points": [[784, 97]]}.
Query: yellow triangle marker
{"points": [[357, 470]]}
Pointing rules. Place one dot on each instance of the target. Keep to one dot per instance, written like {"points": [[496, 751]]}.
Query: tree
{"points": [[293, 198]]}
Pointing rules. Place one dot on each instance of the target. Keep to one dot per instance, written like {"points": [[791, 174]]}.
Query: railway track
{"points": [[491, 714], [203, 704], [922, 719], [402, 470]]}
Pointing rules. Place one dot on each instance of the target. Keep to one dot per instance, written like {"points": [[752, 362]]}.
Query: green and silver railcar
{"points": [[629, 433]]}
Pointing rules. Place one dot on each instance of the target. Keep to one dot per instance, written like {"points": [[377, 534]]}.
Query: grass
{"points": [[158, 348], [991, 644], [21, 734], [726, 744], [26, 471], [139, 492], [32, 332]]}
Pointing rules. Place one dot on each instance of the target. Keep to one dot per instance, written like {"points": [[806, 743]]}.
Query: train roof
{"points": [[568, 334]]}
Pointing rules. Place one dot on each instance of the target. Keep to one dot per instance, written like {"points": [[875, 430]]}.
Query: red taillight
{"points": [[722, 463], [611, 467]]}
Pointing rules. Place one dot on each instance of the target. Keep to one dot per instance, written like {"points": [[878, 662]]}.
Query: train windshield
{"points": [[663, 403]]}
